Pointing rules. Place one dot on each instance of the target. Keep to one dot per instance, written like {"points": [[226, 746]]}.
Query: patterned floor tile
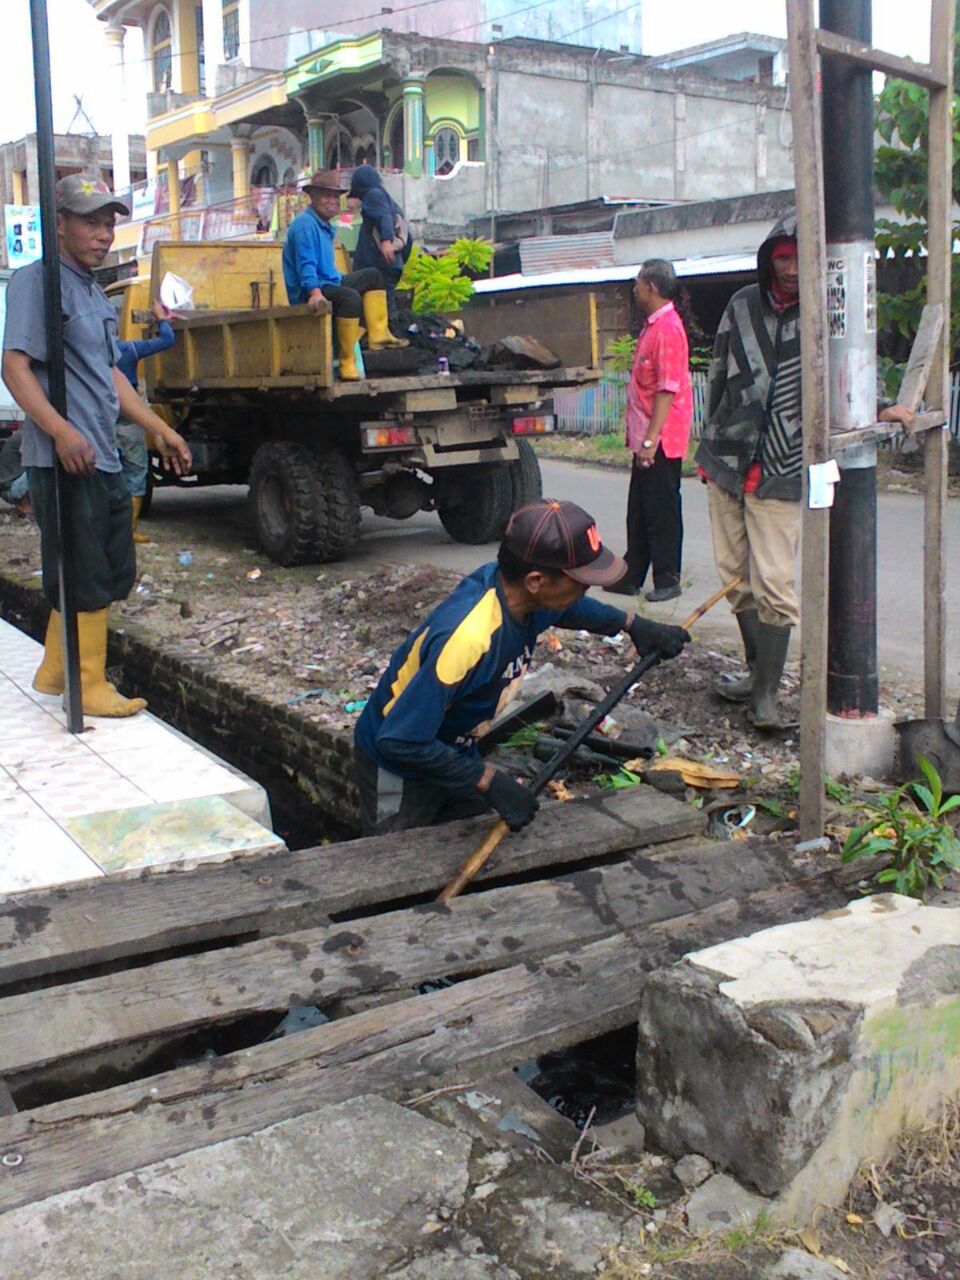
{"points": [[185, 832]]}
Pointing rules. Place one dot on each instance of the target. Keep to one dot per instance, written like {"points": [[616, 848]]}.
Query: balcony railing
{"points": [[264, 214]]}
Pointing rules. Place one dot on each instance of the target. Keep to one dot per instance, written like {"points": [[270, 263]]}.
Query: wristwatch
{"points": [[649, 444]]}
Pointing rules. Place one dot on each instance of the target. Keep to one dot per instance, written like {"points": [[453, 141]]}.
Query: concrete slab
{"points": [[721, 1205], [860, 748], [792, 1056], [347, 1192]]}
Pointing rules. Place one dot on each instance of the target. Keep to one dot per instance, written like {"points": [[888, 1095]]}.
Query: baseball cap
{"points": [[325, 180], [77, 194], [561, 535]]}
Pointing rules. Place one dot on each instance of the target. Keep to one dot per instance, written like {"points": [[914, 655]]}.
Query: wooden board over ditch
{"points": [[104, 985]]}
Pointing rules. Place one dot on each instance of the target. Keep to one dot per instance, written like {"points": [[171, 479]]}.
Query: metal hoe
{"points": [[489, 843]]}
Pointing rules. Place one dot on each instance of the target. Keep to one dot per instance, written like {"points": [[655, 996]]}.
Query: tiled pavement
{"points": [[123, 795]]}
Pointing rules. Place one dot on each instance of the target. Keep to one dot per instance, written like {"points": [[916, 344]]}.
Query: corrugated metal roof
{"points": [[566, 253], [719, 265]]}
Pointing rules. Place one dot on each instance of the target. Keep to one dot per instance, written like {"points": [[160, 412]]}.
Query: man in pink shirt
{"points": [[659, 416]]}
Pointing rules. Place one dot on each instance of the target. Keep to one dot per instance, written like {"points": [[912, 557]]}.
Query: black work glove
{"points": [[516, 804], [654, 637]]}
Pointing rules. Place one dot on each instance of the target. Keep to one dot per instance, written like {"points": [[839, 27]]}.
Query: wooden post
{"points": [[811, 238], [939, 245]]}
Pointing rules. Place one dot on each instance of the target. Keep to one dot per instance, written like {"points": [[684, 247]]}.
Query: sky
{"points": [[79, 63]]}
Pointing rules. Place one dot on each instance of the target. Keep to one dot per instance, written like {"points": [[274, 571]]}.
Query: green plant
{"points": [[438, 284], [617, 781], [908, 826], [837, 791], [643, 1197], [523, 737], [620, 353]]}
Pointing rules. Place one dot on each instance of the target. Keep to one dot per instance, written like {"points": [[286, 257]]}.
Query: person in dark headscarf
{"points": [[385, 241]]}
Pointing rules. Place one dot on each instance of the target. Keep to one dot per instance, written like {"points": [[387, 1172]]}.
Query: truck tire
{"points": [[474, 505], [340, 529], [287, 501], [525, 476]]}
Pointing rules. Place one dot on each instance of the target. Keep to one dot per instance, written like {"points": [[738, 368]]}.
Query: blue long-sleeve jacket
{"points": [[308, 260], [453, 674], [131, 353], [378, 210]]}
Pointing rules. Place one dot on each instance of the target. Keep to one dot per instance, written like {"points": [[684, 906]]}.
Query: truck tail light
{"points": [[534, 426], [388, 437]]}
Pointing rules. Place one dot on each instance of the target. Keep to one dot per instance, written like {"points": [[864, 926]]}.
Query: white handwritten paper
{"points": [[822, 478]]}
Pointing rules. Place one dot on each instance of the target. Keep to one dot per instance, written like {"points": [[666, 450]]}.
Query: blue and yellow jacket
{"points": [[308, 256], [453, 674]]}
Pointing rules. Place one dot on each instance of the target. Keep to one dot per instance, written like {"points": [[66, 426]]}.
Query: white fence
{"points": [[599, 409]]}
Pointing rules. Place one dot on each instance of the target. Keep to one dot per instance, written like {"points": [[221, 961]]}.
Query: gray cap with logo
{"points": [[79, 194]]}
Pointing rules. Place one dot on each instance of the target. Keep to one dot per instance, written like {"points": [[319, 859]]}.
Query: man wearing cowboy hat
{"points": [[311, 276]]}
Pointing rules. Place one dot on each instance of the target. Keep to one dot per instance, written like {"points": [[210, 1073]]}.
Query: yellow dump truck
{"points": [[251, 384]]}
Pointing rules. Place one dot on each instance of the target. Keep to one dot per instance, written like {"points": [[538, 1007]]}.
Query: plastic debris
{"points": [[351, 708], [185, 557], [254, 575]]}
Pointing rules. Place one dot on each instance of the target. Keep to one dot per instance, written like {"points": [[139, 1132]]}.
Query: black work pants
{"points": [[391, 803], [345, 296], [654, 522], [100, 533]]}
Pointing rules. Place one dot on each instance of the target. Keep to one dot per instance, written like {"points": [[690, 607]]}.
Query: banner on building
{"points": [[24, 243]]}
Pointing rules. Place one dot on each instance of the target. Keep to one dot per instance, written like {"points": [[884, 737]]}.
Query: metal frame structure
{"points": [[926, 377]]}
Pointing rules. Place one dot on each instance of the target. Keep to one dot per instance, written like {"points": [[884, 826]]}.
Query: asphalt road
{"points": [[603, 492]]}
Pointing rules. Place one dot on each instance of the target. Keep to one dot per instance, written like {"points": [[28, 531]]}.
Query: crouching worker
{"points": [[310, 275], [100, 528], [416, 756]]}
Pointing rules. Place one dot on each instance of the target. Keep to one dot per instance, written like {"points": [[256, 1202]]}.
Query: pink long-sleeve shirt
{"points": [[662, 363]]}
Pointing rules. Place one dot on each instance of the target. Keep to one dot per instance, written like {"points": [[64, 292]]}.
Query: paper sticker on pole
{"points": [[837, 297]]}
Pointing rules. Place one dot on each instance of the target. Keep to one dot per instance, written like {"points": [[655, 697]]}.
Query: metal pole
{"points": [[852, 681], [56, 390]]}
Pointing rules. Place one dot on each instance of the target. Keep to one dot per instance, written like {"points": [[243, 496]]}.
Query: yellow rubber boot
{"points": [[379, 337], [137, 503], [100, 698], [49, 677], [348, 333]]}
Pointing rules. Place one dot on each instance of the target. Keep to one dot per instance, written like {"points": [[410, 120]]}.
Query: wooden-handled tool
{"points": [[489, 843]]}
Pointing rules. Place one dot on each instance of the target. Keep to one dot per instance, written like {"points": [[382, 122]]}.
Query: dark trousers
{"points": [[345, 296], [391, 803], [99, 532], [654, 522]]}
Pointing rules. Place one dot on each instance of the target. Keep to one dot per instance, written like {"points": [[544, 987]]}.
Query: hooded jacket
{"points": [[378, 211], [753, 394]]}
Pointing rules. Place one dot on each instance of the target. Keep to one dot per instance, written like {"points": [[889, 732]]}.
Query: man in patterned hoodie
{"points": [[751, 456]]}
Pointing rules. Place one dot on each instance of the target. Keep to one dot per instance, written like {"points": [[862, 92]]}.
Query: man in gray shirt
{"points": [[100, 517]]}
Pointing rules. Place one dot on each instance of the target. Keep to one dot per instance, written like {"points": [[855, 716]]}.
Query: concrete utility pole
{"points": [[852, 682]]}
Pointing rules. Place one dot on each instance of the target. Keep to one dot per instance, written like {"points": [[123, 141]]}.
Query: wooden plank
{"points": [[472, 1029], [939, 271], [815, 562], [96, 921], [434, 400], [922, 355], [929, 421], [398, 950], [890, 64]]}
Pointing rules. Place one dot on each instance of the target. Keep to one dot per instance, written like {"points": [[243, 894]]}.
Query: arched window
{"points": [[264, 172], [446, 150], [161, 52], [340, 150]]}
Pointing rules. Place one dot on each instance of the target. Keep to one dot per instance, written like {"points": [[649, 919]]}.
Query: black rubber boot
{"points": [[739, 690], [772, 644]]}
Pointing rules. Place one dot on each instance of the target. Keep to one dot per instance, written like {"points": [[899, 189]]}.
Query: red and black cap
{"points": [[561, 535]]}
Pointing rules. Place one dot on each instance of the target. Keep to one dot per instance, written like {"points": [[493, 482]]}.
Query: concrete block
{"points": [[860, 748], [792, 1056], [505, 1111], [722, 1205], [344, 1192]]}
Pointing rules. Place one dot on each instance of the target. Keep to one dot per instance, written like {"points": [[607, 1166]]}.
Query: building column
{"points": [[240, 153], [213, 56], [413, 127], [118, 96], [314, 144], [173, 196]]}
